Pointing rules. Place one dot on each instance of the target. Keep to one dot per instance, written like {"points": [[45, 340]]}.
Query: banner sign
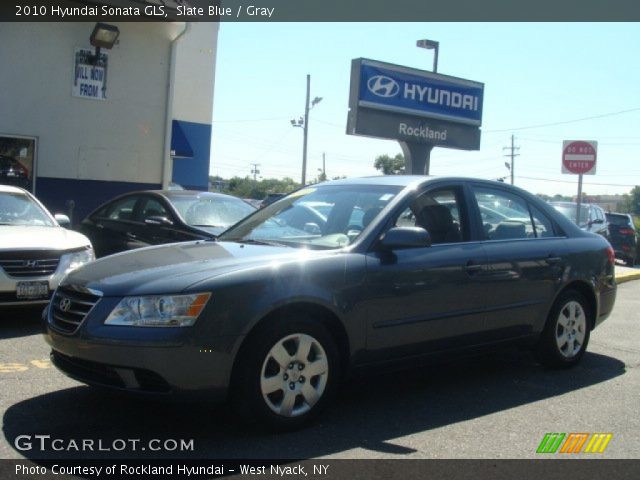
{"points": [[398, 89], [89, 74]]}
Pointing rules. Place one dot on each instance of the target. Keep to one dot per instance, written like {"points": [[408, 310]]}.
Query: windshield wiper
{"points": [[255, 241]]}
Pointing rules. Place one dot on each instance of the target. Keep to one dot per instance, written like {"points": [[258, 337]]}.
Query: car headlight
{"points": [[72, 260], [158, 310]]}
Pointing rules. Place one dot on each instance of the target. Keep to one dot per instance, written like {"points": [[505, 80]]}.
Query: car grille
{"points": [[29, 264], [69, 308], [95, 373]]}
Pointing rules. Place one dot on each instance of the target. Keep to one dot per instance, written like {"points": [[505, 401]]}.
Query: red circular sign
{"points": [[579, 157]]}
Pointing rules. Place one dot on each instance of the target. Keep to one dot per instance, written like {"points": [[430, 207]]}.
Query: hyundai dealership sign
{"points": [[410, 105], [416, 92]]}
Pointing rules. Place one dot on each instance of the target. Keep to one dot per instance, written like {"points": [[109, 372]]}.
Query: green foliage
{"points": [[390, 165], [635, 200], [248, 188]]}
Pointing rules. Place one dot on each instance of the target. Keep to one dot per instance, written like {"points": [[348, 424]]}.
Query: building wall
{"points": [[91, 150], [195, 80]]}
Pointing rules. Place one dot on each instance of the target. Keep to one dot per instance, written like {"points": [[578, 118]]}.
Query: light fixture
{"points": [[103, 36], [430, 45]]}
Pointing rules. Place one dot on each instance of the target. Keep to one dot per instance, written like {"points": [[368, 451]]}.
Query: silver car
{"points": [[36, 252]]}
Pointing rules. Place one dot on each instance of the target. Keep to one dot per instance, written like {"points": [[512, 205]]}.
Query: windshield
{"points": [[20, 209], [619, 220], [569, 211], [210, 210], [322, 217]]}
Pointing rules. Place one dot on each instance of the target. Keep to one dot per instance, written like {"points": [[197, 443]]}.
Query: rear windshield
{"points": [[619, 220]]}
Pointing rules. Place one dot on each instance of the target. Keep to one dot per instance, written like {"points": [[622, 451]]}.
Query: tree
{"points": [[635, 200], [248, 188], [390, 165]]}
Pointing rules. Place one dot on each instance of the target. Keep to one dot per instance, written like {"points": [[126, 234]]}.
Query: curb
{"points": [[628, 277]]}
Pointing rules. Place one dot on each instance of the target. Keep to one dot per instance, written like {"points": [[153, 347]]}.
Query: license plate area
{"points": [[32, 290]]}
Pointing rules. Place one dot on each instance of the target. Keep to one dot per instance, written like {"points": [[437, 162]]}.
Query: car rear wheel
{"points": [[566, 334], [288, 374]]}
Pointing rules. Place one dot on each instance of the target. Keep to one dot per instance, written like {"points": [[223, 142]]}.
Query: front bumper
{"points": [[142, 360]]}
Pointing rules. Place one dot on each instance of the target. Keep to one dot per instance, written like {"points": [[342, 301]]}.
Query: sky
{"points": [[544, 83]]}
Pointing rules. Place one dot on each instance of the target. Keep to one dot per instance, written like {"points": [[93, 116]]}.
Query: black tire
{"points": [[257, 367], [563, 344]]}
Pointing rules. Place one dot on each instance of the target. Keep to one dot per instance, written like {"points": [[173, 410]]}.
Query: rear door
{"points": [[526, 255]]}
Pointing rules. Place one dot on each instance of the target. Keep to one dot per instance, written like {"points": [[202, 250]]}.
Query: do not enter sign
{"points": [[579, 157]]}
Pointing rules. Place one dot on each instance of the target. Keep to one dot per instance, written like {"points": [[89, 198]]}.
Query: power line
{"points": [[603, 115], [573, 182]]}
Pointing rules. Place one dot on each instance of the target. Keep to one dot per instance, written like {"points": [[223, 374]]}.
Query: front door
{"points": [[422, 300]]}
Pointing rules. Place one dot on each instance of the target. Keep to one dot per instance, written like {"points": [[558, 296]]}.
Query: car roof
{"points": [[11, 189], [616, 214]]}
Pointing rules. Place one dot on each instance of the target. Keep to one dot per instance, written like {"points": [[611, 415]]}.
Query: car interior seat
{"points": [[438, 221]]}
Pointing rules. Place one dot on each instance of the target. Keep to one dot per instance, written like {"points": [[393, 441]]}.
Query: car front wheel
{"points": [[288, 374], [566, 334]]}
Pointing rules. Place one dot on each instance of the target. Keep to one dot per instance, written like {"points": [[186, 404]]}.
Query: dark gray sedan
{"points": [[279, 308]]}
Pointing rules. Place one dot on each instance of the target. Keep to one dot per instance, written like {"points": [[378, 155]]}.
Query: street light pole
{"points": [[431, 45], [305, 132]]}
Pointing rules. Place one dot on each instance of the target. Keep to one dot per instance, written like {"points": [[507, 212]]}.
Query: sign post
{"points": [[579, 158]]}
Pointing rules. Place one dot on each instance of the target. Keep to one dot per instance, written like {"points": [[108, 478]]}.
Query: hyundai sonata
{"points": [[273, 313]]}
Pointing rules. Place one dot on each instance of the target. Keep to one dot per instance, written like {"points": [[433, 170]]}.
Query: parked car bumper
{"points": [[144, 361]]}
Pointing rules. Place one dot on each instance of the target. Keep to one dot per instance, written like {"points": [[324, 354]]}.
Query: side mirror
{"points": [[63, 220], [406, 237], [312, 228], [157, 220]]}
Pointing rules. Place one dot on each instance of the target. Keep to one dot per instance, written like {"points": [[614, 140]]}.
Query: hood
{"points": [[174, 267], [25, 237]]}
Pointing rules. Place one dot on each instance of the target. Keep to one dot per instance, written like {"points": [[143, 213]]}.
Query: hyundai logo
{"points": [[64, 305], [30, 263], [383, 86]]}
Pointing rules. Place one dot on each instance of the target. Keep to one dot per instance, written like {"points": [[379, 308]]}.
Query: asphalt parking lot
{"points": [[495, 406]]}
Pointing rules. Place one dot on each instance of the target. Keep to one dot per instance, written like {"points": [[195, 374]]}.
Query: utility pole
{"points": [[324, 166], [304, 124], [306, 132], [255, 171], [513, 155]]}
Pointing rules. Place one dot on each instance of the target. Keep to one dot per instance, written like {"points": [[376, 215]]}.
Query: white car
{"points": [[36, 252]]}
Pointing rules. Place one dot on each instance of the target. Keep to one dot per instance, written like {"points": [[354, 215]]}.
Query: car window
{"points": [[504, 215], [20, 209], [154, 208], [569, 211], [123, 209], [619, 220], [542, 224], [210, 210], [438, 212], [319, 217]]}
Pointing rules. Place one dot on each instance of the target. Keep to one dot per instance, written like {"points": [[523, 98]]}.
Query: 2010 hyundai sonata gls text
{"points": [[330, 278]]}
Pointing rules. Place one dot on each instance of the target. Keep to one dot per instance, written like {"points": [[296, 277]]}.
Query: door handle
{"points": [[552, 260], [472, 267], [131, 236]]}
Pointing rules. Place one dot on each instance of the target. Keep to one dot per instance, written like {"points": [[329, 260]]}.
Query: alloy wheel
{"points": [[571, 329], [294, 375]]}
